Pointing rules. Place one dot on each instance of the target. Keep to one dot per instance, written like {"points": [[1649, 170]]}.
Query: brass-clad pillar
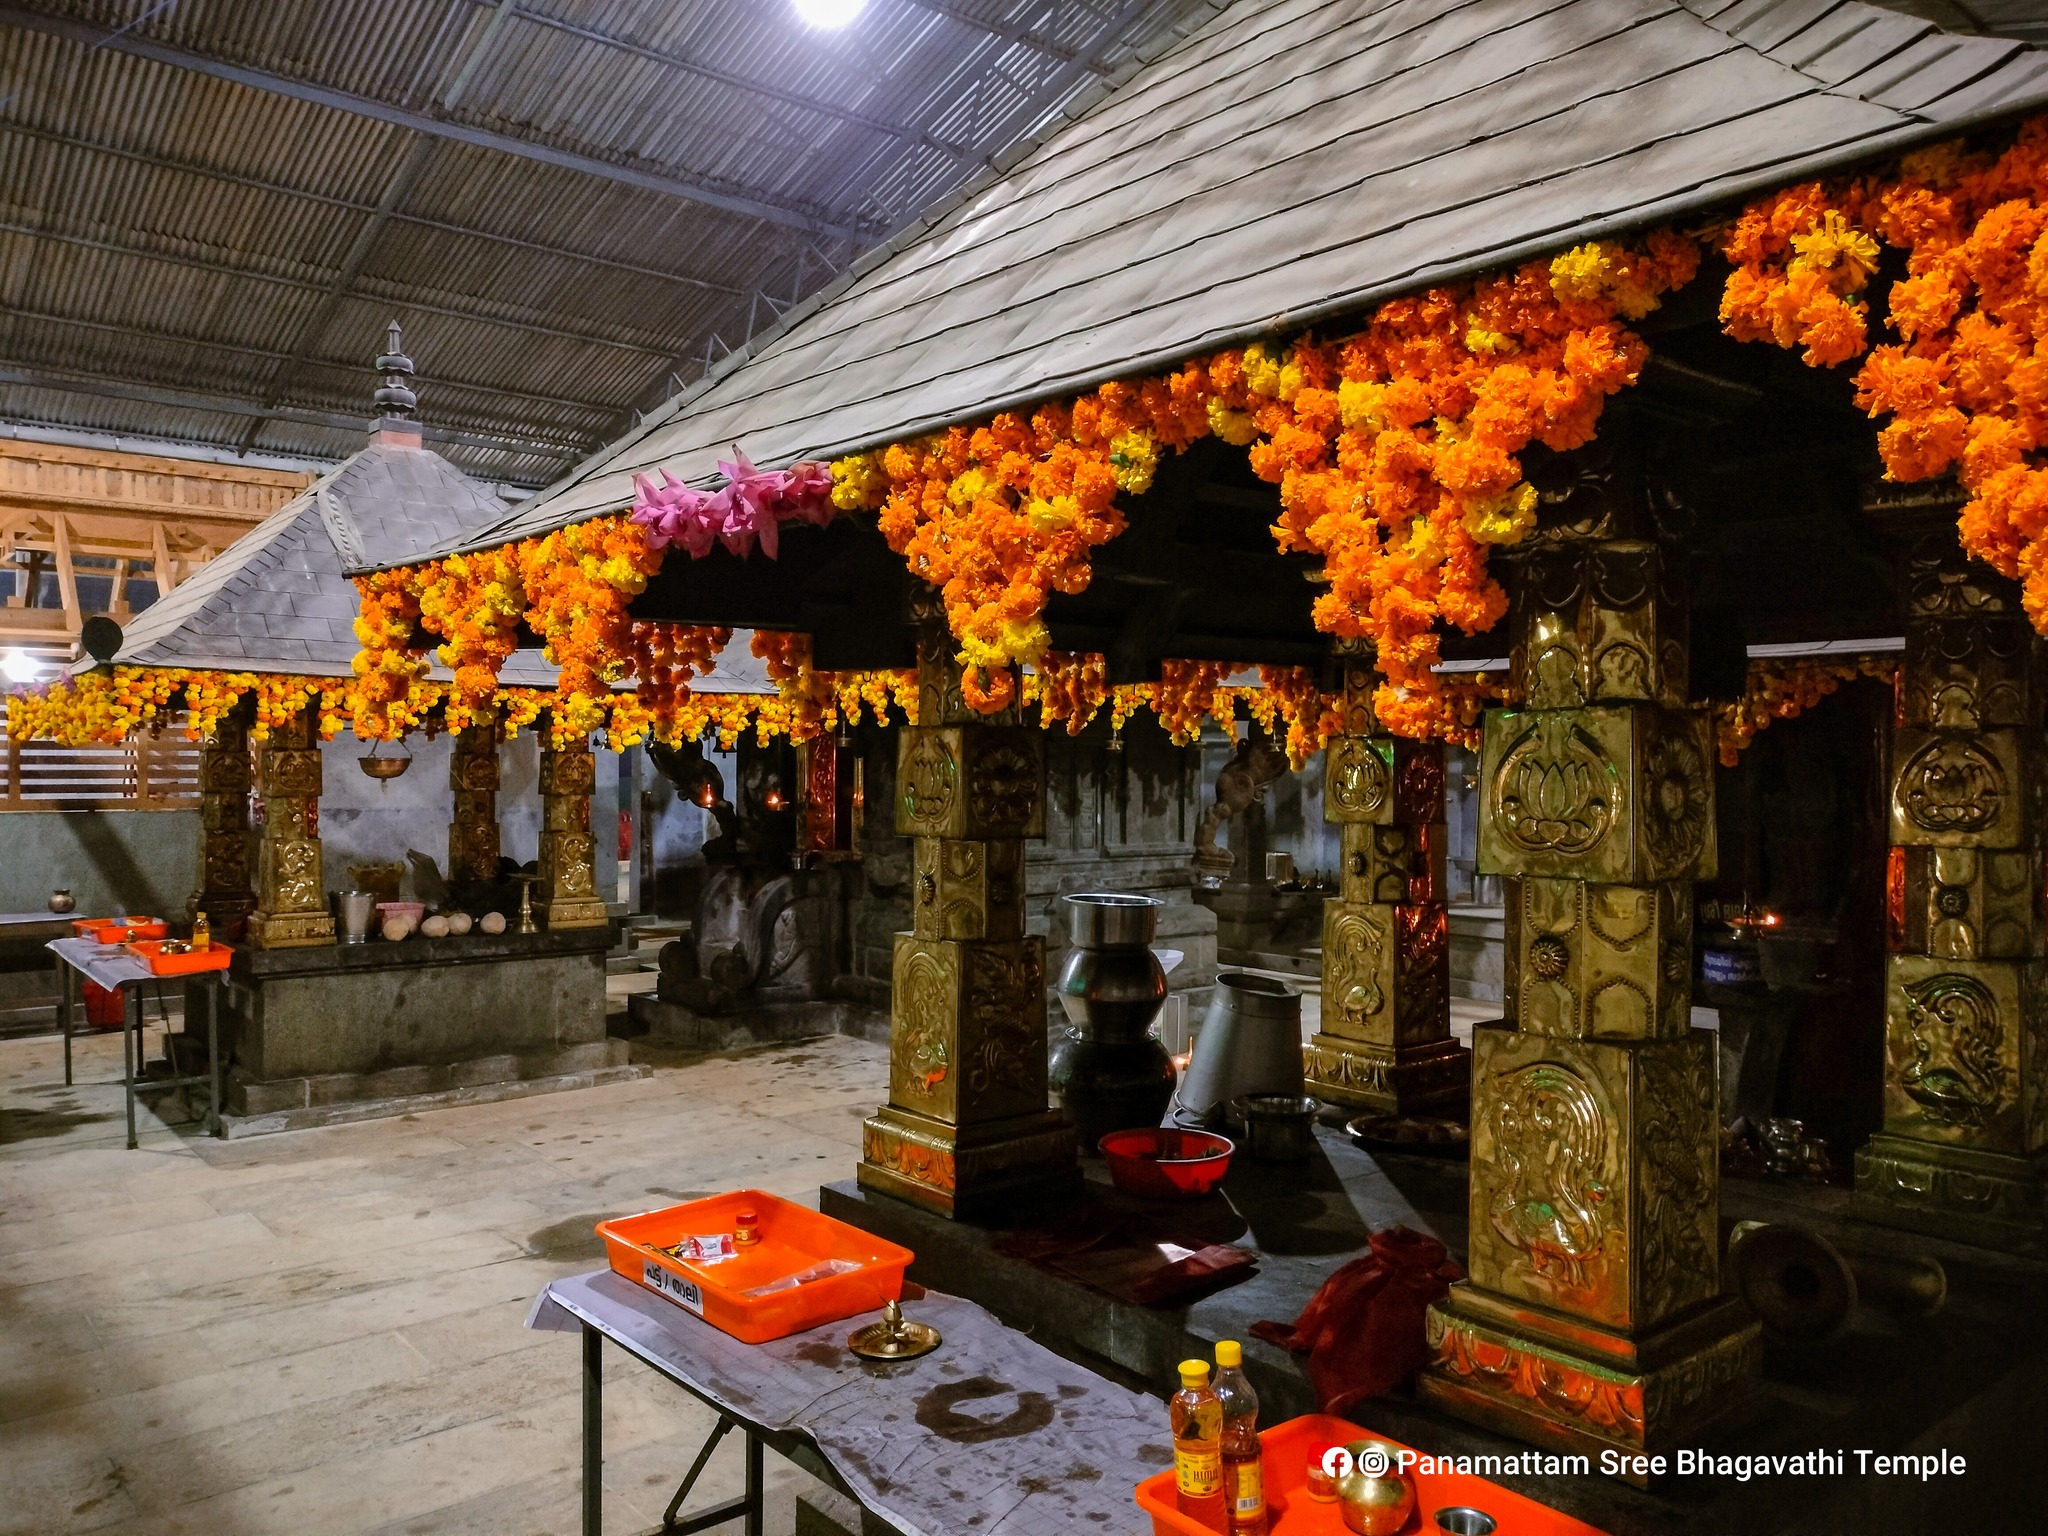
{"points": [[226, 776], [1961, 1153], [967, 1129], [566, 893], [473, 823], [1385, 1042], [1592, 1318], [291, 910]]}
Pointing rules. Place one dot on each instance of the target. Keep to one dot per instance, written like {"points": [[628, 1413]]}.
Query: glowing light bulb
{"points": [[829, 15], [20, 667]]}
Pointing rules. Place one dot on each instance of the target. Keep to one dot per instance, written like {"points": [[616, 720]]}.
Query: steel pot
{"points": [[1108, 1071], [1250, 1042]]}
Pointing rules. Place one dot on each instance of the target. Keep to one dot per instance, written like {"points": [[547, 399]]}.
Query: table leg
{"points": [[64, 1014], [213, 1053], [593, 1432], [131, 1053], [754, 1510]]}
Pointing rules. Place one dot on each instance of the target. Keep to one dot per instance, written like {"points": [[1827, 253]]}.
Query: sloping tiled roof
{"points": [[1295, 160], [278, 600]]}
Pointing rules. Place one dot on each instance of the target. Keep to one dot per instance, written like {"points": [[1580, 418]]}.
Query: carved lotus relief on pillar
{"points": [[1554, 791], [1951, 786], [928, 780], [1359, 782]]}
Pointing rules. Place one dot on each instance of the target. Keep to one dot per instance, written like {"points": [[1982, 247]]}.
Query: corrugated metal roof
{"points": [[1296, 160], [228, 201]]}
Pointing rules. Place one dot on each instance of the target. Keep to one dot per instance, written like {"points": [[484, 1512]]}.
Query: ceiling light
{"points": [[830, 15], [20, 667]]}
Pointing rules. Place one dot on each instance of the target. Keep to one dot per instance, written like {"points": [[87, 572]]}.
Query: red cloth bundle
{"points": [[1363, 1332]]}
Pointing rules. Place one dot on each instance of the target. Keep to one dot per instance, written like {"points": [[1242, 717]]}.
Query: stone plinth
{"points": [[350, 1024]]}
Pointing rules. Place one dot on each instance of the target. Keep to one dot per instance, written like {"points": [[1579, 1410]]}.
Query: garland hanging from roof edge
{"points": [[1965, 386], [1394, 452]]}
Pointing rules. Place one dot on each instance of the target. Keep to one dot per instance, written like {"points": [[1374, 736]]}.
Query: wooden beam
{"points": [[117, 600], [160, 554], [67, 577]]}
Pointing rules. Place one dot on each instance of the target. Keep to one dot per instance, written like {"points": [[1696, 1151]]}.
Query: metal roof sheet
{"points": [[573, 205], [1295, 160]]}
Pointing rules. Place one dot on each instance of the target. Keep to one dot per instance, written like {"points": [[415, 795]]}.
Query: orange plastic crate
{"points": [[187, 963], [793, 1238], [127, 930], [1291, 1512]]}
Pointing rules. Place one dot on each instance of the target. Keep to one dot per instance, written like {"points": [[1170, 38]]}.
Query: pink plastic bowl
{"points": [[1164, 1163]]}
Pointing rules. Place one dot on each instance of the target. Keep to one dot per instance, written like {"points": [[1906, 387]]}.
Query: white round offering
{"points": [[460, 922], [396, 928], [435, 927], [492, 922]]}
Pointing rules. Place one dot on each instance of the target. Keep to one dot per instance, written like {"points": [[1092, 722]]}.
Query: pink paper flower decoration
{"points": [[749, 508]]}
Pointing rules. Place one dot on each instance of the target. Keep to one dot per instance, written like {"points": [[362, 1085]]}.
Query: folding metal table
{"points": [[990, 1435], [113, 967]]}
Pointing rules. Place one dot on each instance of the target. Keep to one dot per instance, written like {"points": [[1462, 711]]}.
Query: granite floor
{"points": [[321, 1331]]}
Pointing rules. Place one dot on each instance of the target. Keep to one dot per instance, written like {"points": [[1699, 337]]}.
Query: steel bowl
{"points": [[1276, 1127]]}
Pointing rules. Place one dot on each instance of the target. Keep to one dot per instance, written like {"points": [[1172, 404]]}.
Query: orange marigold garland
{"points": [[1395, 453], [1782, 690], [1964, 389], [387, 666]]}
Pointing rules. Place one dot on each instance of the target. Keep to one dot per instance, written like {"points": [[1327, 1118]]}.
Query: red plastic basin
{"points": [[1165, 1163]]}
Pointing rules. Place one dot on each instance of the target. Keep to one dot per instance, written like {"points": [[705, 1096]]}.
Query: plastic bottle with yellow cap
{"points": [[1197, 1414], [1244, 1465]]}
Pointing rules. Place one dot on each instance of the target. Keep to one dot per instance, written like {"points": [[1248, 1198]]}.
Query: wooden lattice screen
{"points": [[147, 773]]}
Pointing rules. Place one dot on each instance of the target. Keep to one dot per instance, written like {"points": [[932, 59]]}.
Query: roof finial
{"points": [[394, 399]]}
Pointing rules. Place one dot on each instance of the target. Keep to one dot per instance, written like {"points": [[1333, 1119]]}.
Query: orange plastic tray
{"points": [[1292, 1512], [793, 1238], [150, 951], [126, 930], [86, 927]]}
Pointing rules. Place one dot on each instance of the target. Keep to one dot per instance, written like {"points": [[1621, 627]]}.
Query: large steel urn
{"points": [[1109, 1072]]}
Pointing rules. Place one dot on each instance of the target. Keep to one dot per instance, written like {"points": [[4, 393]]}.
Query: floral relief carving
{"points": [[1553, 792]]}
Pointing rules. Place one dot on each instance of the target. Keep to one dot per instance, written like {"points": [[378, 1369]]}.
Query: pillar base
{"points": [[581, 912], [1991, 1199], [1571, 1387], [966, 1171], [1433, 1078], [290, 930]]}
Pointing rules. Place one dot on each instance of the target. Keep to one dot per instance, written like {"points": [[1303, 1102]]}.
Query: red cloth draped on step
{"points": [[1363, 1332]]}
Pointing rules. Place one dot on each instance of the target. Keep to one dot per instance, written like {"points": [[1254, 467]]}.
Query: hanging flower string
{"points": [[104, 708], [1784, 690], [1395, 454], [1964, 388], [750, 507]]}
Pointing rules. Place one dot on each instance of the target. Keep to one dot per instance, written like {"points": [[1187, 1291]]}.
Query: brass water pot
{"points": [[1375, 1503]]}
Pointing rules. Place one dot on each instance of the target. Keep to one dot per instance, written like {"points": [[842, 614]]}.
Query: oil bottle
{"points": [[202, 932], [1244, 1467], [1197, 1414]]}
